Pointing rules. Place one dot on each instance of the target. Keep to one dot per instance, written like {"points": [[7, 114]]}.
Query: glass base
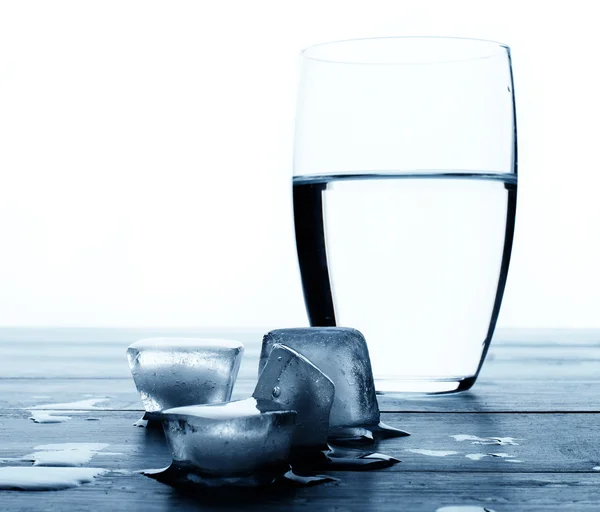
{"points": [[389, 386]]}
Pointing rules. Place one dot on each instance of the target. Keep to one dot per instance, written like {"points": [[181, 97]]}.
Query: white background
{"points": [[146, 149]]}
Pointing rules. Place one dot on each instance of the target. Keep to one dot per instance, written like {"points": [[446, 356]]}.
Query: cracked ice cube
{"points": [[342, 355], [292, 381], [173, 372]]}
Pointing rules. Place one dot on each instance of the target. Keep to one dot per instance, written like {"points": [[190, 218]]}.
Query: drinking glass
{"points": [[405, 189]]}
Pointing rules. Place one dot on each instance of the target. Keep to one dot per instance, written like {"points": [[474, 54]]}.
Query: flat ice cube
{"points": [[173, 372], [341, 354], [236, 438], [291, 380]]}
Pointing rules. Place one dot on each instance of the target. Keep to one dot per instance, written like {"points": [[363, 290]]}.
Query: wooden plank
{"points": [[513, 379], [26, 393], [485, 396], [544, 371], [545, 442], [115, 394], [420, 483], [504, 396], [381, 491], [100, 353]]}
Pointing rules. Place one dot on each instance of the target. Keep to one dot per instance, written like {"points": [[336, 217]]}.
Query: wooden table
{"points": [[539, 387]]}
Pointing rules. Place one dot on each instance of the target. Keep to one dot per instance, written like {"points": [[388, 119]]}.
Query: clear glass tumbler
{"points": [[405, 189]]}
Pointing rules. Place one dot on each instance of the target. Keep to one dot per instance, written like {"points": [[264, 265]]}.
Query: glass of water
{"points": [[405, 189]]}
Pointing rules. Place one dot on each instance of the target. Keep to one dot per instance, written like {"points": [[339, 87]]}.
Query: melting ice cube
{"points": [[341, 354], [174, 372], [245, 438], [291, 380]]}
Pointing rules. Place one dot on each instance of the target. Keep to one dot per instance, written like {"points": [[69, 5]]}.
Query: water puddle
{"points": [[479, 456], [47, 417], [302, 471], [89, 403], [56, 413], [497, 441], [62, 454], [476, 456], [39, 478], [431, 453], [185, 476], [335, 458], [55, 467]]}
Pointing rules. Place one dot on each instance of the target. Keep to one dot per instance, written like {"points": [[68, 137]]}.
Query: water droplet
{"points": [[464, 508], [276, 391], [141, 423]]}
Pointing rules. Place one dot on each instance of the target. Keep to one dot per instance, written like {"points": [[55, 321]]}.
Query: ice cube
{"points": [[292, 381], [342, 355], [173, 372], [240, 438]]}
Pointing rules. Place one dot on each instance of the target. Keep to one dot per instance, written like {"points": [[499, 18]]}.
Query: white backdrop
{"points": [[145, 155]]}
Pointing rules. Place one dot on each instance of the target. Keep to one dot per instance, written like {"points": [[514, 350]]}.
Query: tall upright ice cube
{"points": [[174, 372], [341, 354], [236, 439], [291, 380]]}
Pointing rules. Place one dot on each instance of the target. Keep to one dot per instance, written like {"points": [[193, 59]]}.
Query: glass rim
{"points": [[496, 49]]}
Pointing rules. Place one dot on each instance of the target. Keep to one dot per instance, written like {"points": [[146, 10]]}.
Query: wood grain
{"points": [[539, 387], [558, 455], [546, 442], [100, 353], [65, 365], [486, 396], [382, 491]]}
